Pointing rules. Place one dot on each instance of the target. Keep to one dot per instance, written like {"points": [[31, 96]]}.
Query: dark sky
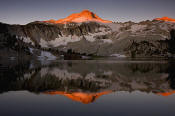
{"points": [[25, 11]]}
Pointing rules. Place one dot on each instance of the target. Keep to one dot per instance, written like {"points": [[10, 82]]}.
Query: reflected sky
{"points": [[118, 103]]}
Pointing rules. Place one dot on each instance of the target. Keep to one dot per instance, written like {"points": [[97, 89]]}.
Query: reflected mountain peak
{"points": [[167, 93], [84, 98]]}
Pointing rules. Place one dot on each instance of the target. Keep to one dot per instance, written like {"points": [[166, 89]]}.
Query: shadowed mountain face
{"points": [[86, 81]]}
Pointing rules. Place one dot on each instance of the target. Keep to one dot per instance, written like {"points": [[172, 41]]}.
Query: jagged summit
{"points": [[167, 19], [83, 16]]}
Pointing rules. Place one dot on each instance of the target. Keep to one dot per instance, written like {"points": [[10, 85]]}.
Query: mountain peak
{"points": [[83, 16], [166, 19], [86, 11]]}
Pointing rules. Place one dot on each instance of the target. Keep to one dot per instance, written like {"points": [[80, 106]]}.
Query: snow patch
{"points": [[70, 39], [31, 50], [114, 27], [43, 43], [136, 27], [92, 36], [85, 57], [59, 41], [64, 40], [46, 56], [118, 55], [25, 39]]}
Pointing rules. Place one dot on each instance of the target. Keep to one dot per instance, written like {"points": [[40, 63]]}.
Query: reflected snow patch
{"points": [[118, 55]]}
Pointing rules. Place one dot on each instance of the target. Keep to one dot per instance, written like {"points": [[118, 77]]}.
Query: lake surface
{"points": [[87, 88]]}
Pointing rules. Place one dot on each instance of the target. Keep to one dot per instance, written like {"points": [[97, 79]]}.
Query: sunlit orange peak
{"points": [[167, 19], [83, 16]]}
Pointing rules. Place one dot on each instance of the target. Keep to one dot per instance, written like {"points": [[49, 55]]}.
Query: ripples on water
{"points": [[96, 87]]}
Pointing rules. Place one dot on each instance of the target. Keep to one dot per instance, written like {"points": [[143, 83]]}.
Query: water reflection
{"points": [[86, 81], [85, 98]]}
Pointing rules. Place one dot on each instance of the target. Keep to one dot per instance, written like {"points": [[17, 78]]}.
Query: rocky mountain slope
{"points": [[88, 34]]}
